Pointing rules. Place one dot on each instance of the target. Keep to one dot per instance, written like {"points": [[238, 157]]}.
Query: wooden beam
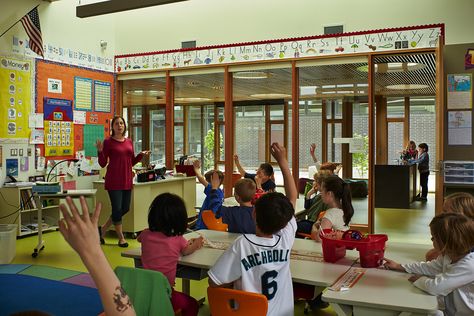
{"points": [[114, 6], [229, 137], [371, 134], [346, 132], [324, 132], [381, 137], [406, 124], [295, 122], [169, 122], [440, 126]]}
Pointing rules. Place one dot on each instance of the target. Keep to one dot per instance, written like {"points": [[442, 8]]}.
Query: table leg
{"points": [[186, 289], [342, 310], [40, 245]]}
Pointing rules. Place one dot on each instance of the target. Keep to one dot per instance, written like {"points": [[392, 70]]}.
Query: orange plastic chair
{"points": [[212, 222], [243, 303]]}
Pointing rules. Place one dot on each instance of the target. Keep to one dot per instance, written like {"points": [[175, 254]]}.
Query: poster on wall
{"points": [[15, 97], [102, 96], [12, 167], [82, 94], [459, 91], [55, 85], [459, 128], [58, 127]]}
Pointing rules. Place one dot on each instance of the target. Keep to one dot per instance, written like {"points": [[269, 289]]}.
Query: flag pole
{"points": [[17, 21]]}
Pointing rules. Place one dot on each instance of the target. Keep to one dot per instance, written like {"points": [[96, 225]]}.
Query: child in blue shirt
{"points": [[238, 218], [205, 181]]}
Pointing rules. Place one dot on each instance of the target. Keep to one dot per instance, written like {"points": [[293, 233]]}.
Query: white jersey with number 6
{"points": [[260, 265]]}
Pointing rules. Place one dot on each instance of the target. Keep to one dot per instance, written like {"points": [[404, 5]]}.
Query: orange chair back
{"points": [[223, 302], [212, 222]]}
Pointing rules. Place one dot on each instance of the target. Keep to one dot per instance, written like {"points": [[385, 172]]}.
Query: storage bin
{"points": [[7, 243], [371, 249]]}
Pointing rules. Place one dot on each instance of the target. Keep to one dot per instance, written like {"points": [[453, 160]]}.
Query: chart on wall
{"points": [[15, 97], [58, 127]]}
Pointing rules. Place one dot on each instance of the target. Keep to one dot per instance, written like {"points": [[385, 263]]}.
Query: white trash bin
{"points": [[7, 243]]}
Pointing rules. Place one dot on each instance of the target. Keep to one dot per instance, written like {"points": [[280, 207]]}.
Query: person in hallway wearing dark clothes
{"points": [[116, 152], [423, 162]]}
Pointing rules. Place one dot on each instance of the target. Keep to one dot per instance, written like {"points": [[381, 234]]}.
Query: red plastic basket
{"points": [[371, 249]]}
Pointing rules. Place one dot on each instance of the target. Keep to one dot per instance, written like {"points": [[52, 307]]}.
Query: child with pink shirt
{"points": [[163, 243]]}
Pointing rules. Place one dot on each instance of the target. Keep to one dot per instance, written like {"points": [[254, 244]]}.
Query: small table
{"points": [[39, 199]]}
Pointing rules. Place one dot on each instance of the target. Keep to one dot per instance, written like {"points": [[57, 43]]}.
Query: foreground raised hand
{"points": [[80, 231]]}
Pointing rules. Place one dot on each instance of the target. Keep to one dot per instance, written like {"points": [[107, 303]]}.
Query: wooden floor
{"points": [[400, 225]]}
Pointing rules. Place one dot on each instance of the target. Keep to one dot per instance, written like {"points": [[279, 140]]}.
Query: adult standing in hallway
{"points": [[423, 162], [116, 152]]}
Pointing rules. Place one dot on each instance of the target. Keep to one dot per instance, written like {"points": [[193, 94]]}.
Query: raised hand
{"points": [[80, 231], [278, 152], [197, 164], [312, 148], [215, 181]]}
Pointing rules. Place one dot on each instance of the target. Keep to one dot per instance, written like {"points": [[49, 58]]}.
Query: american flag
{"points": [[31, 23]]}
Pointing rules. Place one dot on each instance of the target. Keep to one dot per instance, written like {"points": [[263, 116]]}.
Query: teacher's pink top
{"points": [[121, 158]]}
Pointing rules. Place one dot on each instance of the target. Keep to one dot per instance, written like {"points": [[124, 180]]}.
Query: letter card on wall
{"points": [[58, 127]]}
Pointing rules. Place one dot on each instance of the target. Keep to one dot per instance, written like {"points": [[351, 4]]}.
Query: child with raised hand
{"points": [[163, 243], [264, 173], [266, 272], [238, 218], [80, 232], [459, 202], [206, 182], [451, 275], [337, 195]]}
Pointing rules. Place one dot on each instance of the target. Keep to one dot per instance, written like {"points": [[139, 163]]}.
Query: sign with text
{"points": [[326, 45]]}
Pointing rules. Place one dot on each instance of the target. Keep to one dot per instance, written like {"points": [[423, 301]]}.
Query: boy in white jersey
{"points": [[260, 263]]}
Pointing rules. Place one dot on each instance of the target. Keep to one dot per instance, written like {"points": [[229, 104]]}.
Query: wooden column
{"points": [[295, 119], [406, 124], [324, 132], [229, 134], [440, 124], [169, 122], [371, 134], [381, 138], [346, 132], [118, 97]]}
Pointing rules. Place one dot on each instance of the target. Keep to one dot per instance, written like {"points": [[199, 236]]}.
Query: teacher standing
{"points": [[116, 152]]}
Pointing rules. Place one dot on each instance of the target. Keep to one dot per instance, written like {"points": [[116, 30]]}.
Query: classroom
{"points": [[382, 94]]}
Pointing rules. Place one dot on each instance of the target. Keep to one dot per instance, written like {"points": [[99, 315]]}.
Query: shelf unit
{"points": [[17, 206], [458, 176]]}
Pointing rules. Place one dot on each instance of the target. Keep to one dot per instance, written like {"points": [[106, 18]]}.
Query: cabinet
{"points": [[17, 206], [460, 172], [143, 194], [458, 177]]}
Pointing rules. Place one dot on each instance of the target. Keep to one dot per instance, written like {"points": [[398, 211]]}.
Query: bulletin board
{"points": [[66, 76]]}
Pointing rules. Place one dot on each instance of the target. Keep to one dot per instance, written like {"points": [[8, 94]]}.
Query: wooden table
{"points": [[381, 292]]}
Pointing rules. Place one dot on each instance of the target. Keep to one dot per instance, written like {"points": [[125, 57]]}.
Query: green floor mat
{"points": [[49, 272]]}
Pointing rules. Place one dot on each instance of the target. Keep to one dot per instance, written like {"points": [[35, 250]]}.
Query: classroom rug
{"points": [[25, 293], [51, 273]]}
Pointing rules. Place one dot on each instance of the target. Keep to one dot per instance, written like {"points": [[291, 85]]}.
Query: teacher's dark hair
{"points": [[112, 125]]}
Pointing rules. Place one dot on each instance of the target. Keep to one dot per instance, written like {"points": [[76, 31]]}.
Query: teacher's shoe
{"points": [[124, 245]]}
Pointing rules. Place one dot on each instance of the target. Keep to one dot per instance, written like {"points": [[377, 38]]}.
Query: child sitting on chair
{"points": [[260, 263], [163, 243], [238, 218], [206, 182], [451, 275], [264, 173]]}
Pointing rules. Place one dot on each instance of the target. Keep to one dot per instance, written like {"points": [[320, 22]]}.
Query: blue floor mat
{"points": [[24, 292]]}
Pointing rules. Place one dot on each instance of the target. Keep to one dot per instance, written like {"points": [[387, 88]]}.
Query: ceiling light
{"points": [[191, 99], [345, 92], [392, 67], [330, 86], [308, 90], [271, 96], [408, 86], [348, 85], [252, 75], [155, 92]]}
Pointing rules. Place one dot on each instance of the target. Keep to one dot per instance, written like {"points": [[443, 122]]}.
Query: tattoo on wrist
{"points": [[121, 299]]}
